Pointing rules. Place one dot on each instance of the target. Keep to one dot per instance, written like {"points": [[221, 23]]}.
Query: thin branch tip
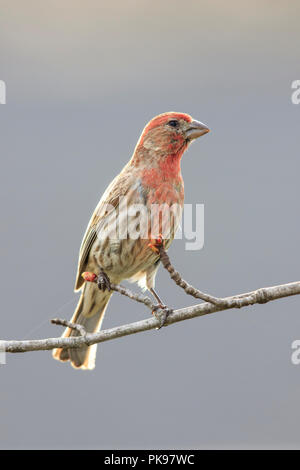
{"points": [[73, 326]]}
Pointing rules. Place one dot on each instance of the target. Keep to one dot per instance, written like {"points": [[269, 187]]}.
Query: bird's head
{"points": [[170, 134]]}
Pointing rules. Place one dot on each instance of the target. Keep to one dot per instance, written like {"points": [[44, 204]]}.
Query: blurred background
{"points": [[83, 78]]}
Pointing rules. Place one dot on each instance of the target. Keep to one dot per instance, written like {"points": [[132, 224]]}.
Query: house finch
{"points": [[116, 243]]}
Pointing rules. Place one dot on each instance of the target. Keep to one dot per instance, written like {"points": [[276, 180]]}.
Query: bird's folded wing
{"points": [[99, 217], [107, 204], [86, 245]]}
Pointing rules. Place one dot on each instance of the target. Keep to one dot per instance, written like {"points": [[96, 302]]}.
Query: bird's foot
{"points": [[161, 312], [156, 243], [103, 281]]}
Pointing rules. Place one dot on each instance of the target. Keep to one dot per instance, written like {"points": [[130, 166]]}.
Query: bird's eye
{"points": [[173, 123]]}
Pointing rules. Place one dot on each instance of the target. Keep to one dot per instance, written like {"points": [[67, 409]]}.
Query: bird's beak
{"points": [[196, 129]]}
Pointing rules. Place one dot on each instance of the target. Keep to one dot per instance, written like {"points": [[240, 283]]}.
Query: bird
{"points": [[151, 178]]}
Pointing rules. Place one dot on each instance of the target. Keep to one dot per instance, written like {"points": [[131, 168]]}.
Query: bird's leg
{"points": [[154, 245], [160, 306], [160, 302], [103, 281]]}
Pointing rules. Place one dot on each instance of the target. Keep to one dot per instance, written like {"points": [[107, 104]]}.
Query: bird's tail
{"points": [[89, 313]]}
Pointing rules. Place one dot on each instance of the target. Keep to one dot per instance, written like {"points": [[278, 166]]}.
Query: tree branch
{"points": [[74, 326], [175, 276], [258, 296], [143, 299]]}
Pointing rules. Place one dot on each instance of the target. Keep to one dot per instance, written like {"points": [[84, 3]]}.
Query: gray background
{"points": [[82, 80]]}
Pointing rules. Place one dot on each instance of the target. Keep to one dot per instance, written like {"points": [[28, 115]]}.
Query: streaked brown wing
{"points": [[87, 243], [107, 204]]}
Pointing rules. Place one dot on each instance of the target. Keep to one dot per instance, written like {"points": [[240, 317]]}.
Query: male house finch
{"points": [[151, 177]]}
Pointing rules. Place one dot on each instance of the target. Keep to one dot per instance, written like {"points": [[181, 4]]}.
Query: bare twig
{"points": [[143, 299], [250, 298], [190, 290], [74, 326]]}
